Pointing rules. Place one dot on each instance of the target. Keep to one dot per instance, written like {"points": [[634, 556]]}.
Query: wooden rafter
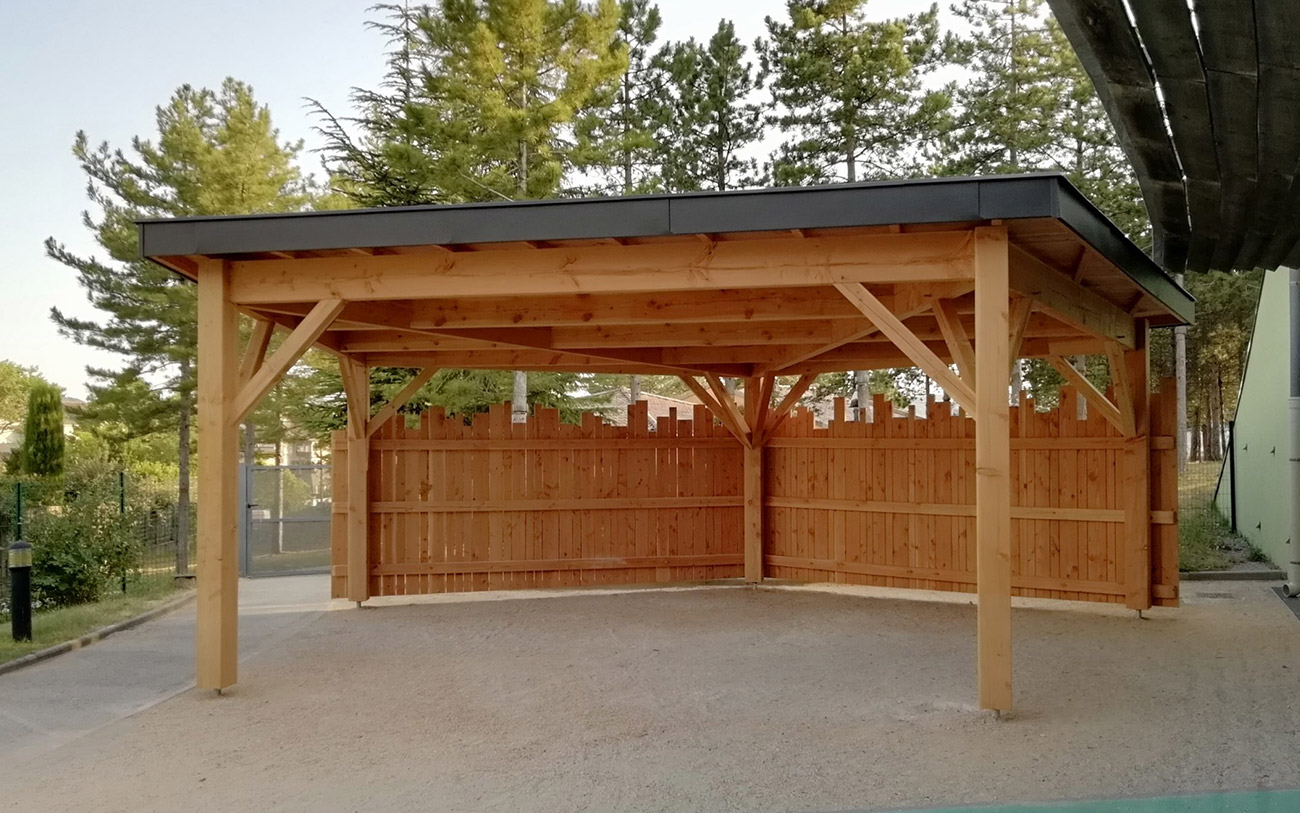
{"points": [[386, 413], [915, 349], [908, 300], [782, 411], [954, 335], [1125, 398], [285, 356], [1095, 398], [712, 404], [1022, 307], [1069, 301], [255, 352]]}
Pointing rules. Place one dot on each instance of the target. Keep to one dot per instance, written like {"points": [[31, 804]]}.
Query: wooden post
{"points": [[993, 467], [1136, 467], [754, 392], [217, 636], [356, 384]]}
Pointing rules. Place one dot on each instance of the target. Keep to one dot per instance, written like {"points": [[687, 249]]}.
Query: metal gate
{"points": [[286, 520]]}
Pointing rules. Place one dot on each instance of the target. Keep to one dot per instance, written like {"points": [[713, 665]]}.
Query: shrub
{"points": [[78, 549]]}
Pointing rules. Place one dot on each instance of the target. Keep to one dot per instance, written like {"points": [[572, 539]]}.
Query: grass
{"points": [[53, 627], [1205, 539]]}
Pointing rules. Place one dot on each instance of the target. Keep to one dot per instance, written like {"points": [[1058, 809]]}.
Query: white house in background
{"points": [[13, 437]]}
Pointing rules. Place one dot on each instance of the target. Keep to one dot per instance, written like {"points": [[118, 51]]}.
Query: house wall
{"points": [[1263, 487]]}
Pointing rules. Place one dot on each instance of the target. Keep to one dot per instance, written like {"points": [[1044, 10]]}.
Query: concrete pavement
{"points": [[54, 702]]}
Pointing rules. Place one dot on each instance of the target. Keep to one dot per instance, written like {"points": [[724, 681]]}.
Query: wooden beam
{"points": [[1136, 467], [753, 475], [1069, 301], [578, 310], [992, 468], [285, 356], [1095, 398], [1022, 307], [716, 409], [908, 300], [727, 402], [386, 413], [255, 352], [356, 383], [216, 634], [954, 335], [759, 419], [782, 410], [1125, 397], [912, 347], [652, 268]]}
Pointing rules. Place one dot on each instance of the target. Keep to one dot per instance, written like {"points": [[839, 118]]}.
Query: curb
{"points": [[96, 635], [1233, 576]]}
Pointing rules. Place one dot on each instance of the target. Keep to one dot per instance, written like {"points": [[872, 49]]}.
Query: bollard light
{"points": [[20, 590]]}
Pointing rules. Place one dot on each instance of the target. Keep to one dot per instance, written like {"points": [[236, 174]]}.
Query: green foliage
{"points": [[852, 91], [479, 102], [15, 383], [705, 123], [41, 454], [77, 550], [1009, 107], [620, 132]]}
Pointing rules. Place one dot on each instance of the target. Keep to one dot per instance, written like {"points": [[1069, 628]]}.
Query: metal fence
{"points": [[285, 526]]}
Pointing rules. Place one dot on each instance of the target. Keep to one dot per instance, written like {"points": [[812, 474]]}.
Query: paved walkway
{"points": [[56, 701]]}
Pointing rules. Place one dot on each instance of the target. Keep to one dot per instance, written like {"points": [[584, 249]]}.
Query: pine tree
{"points": [[852, 92], [216, 153], [41, 454], [706, 122], [1008, 105], [484, 100], [618, 131]]}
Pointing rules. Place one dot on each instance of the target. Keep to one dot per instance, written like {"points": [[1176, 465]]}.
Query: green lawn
{"points": [[1206, 541], [68, 623]]}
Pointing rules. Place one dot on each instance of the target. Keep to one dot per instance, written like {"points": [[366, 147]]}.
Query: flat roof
{"points": [[930, 202]]}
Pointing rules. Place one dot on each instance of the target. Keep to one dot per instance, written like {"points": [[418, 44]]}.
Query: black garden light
{"points": [[20, 592]]}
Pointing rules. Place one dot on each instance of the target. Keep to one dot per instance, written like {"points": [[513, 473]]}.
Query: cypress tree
{"points": [[42, 449]]}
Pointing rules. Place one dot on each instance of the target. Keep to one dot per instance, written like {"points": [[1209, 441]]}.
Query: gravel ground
{"points": [[708, 699]]}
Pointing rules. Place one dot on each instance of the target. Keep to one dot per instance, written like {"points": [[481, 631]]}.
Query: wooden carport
{"points": [[965, 272]]}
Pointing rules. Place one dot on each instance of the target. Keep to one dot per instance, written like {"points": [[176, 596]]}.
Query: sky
{"points": [[69, 65]]}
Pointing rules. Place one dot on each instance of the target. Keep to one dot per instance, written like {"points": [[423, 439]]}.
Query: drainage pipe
{"points": [[1292, 587]]}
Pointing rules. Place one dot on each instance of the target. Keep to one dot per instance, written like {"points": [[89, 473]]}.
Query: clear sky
{"points": [[68, 65]]}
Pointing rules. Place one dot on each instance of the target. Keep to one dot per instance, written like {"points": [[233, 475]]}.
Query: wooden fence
{"points": [[891, 502], [496, 505], [499, 506]]}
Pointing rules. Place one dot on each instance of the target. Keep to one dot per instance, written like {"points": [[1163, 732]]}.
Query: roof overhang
{"points": [[734, 283], [1205, 99]]}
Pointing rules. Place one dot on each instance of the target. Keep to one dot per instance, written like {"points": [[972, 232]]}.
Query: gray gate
{"points": [[286, 520]]}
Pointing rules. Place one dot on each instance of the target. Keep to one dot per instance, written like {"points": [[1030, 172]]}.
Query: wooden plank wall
{"points": [[501, 506], [890, 502]]}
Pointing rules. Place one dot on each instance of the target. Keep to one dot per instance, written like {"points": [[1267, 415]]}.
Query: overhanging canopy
{"points": [[1205, 98], [735, 283]]}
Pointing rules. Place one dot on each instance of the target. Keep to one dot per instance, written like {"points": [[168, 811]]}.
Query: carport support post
{"points": [[993, 467], [216, 638], [753, 482], [1136, 484], [356, 384]]}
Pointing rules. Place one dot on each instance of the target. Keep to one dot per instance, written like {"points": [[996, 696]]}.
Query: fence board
{"points": [[495, 505]]}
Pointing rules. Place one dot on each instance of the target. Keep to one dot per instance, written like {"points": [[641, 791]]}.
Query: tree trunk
{"points": [[1080, 363], [862, 388], [183, 482], [634, 389], [519, 401], [277, 509], [1017, 381]]}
